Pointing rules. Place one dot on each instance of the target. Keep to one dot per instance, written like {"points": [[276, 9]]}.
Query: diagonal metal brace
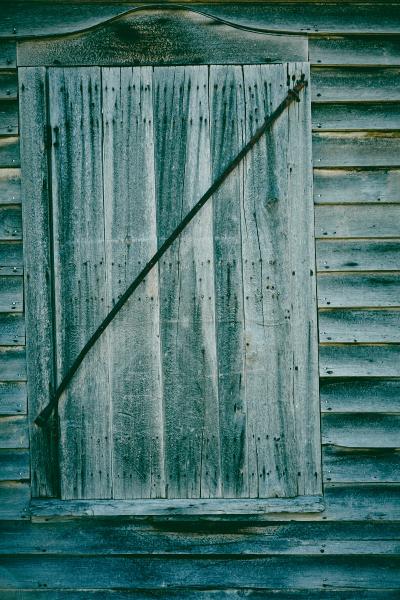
{"points": [[292, 95]]}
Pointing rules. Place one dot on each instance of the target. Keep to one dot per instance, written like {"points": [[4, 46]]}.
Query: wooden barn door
{"points": [[206, 384]]}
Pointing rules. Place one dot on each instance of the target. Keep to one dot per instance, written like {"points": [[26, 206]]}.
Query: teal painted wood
{"points": [[12, 398], [358, 84], [10, 186], [142, 573]]}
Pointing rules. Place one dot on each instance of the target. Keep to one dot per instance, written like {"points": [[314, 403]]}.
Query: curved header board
{"points": [[163, 37]]}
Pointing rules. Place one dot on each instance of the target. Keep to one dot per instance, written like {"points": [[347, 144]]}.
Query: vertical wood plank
{"points": [[80, 279], [37, 269], [131, 237], [227, 113], [280, 355], [304, 326], [187, 310]]}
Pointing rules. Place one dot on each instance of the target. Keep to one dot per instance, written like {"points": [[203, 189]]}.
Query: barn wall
{"points": [[356, 131]]}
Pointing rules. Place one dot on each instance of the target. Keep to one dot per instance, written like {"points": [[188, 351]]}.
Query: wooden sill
{"points": [[55, 508]]}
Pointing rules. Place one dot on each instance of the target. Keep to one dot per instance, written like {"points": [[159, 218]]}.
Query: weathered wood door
{"points": [[206, 383]]}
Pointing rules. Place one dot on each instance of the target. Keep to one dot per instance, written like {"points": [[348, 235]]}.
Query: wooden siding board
{"points": [[11, 294], [12, 330], [346, 221], [12, 363], [80, 280], [346, 84], [10, 223], [361, 464], [363, 326], [187, 296], [10, 186], [209, 594], [352, 116], [131, 239], [361, 51], [9, 152], [356, 149], [360, 361], [8, 117], [260, 572], [14, 432], [358, 290], [227, 113], [356, 185], [12, 398], [163, 37], [14, 500], [360, 395], [361, 430], [11, 259], [37, 268], [358, 255], [14, 465], [8, 54], [202, 538], [8, 85], [22, 20]]}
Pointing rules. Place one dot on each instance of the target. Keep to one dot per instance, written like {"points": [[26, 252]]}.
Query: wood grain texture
{"points": [[356, 185], [80, 280], [364, 326], [357, 84], [11, 259], [202, 538], [8, 85], [14, 432], [131, 239], [176, 508], [361, 51], [361, 430], [162, 37], [360, 361], [255, 572], [361, 149], [12, 363], [187, 296], [34, 20], [358, 290], [8, 54], [10, 223], [10, 186], [358, 255], [364, 465], [8, 117], [12, 398], [352, 116], [9, 152], [14, 500], [37, 273], [357, 221], [14, 465], [11, 294], [227, 114], [278, 267], [360, 395], [12, 330]]}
